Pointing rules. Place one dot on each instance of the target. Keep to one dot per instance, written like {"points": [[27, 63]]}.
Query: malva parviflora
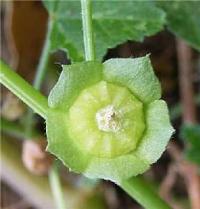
{"points": [[106, 120]]}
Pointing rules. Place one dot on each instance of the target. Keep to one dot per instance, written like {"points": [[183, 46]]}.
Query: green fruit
{"points": [[106, 120]]}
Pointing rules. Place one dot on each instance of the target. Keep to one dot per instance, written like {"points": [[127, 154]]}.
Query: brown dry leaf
{"points": [[12, 108], [35, 158]]}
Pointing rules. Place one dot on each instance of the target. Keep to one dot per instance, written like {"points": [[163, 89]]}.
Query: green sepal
{"points": [[158, 132], [116, 169], [73, 79], [60, 144], [136, 74]]}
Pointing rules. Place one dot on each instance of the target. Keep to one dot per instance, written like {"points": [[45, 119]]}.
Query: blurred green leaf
{"points": [[183, 19], [191, 134], [94, 201], [114, 22], [16, 129], [176, 110]]}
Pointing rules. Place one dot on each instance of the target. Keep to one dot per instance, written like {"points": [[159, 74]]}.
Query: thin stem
{"points": [[22, 89], [41, 71], [56, 187], [86, 8], [36, 189], [135, 187], [143, 193]]}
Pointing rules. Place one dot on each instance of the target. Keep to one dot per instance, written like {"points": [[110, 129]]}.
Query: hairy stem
{"points": [[56, 187], [86, 8], [22, 89], [142, 192]]}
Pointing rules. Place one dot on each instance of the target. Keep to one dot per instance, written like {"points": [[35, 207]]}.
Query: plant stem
{"points": [[34, 189], [135, 186], [56, 187], [40, 73], [143, 193], [86, 8], [22, 89], [41, 69]]}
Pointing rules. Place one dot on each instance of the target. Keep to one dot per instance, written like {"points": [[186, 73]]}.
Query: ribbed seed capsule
{"points": [[106, 120]]}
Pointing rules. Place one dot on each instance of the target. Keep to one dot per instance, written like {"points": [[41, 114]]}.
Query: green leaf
{"points": [[191, 134], [193, 155], [113, 23], [72, 80], [136, 74], [183, 19], [93, 201], [158, 132]]}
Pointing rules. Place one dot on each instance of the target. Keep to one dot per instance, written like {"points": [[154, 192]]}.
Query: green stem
{"points": [[86, 8], [56, 187], [22, 89], [40, 74], [41, 71], [143, 193], [135, 187]]}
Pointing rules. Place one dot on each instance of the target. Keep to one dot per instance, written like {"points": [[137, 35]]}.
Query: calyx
{"points": [[106, 120]]}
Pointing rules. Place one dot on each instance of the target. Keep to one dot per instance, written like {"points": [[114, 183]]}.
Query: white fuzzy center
{"points": [[108, 119]]}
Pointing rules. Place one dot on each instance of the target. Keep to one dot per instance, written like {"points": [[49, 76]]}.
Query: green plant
{"points": [[56, 119], [114, 24], [94, 95], [116, 113], [191, 135]]}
